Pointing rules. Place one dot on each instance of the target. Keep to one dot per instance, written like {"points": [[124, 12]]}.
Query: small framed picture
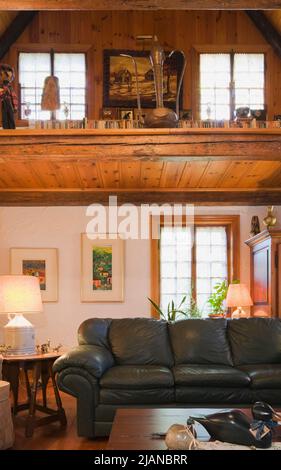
{"points": [[102, 269], [186, 114], [108, 114], [39, 262], [126, 114]]}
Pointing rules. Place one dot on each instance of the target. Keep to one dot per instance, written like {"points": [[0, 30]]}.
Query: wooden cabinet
{"points": [[266, 273]]}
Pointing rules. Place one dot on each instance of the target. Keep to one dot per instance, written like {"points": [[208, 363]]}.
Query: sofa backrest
{"points": [[255, 340], [94, 331], [140, 341], [144, 341], [200, 341]]}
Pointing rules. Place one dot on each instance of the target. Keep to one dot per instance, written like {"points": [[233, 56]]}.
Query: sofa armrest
{"points": [[91, 358]]}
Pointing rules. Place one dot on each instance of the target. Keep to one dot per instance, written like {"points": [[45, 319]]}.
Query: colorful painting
{"points": [[35, 268], [102, 267], [120, 81]]}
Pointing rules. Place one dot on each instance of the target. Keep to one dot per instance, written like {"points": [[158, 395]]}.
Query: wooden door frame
{"points": [[232, 224]]}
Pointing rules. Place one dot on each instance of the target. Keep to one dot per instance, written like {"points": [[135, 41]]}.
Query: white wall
{"points": [[60, 227]]}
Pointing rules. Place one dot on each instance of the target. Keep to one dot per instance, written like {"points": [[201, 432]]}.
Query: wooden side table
{"points": [[41, 367]]}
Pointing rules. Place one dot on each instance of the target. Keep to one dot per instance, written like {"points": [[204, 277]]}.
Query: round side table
{"points": [[41, 367]]}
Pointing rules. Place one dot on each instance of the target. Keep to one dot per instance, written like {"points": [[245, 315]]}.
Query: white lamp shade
{"points": [[238, 296], [20, 294]]}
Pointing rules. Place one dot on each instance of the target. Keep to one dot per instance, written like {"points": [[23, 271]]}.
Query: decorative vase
{"points": [[270, 219]]}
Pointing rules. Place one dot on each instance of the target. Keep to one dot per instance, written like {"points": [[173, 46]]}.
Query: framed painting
{"points": [[39, 262], [102, 269], [119, 79]]}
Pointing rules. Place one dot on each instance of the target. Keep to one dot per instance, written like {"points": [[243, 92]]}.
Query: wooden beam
{"points": [[258, 197], [267, 29], [73, 146], [139, 4], [14, 30]]}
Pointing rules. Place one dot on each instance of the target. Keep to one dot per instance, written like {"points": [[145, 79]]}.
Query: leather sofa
{"points": [[142, 362]]}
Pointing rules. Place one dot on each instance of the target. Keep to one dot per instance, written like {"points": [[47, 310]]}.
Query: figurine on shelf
{"points": [[270, 219], [57, 348], [8, 98], [255, 226]]}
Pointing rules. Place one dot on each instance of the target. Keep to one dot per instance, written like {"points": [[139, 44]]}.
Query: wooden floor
{"points": [[52, 437]]}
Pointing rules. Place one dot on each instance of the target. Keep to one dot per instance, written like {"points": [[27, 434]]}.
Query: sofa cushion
{"points": [[255, 340], [217, 396], [155, 396], [264, 376], [210, 376], [200, 342], [94, 331], [140, 341], [136, 377]]}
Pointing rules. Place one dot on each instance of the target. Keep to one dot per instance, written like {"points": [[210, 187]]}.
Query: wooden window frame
{"points": [[224, 49], [46, 48], [232, 225]]}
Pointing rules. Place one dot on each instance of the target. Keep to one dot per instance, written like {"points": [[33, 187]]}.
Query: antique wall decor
{"points": [[39, 262], [120, 85], [270, 219]]}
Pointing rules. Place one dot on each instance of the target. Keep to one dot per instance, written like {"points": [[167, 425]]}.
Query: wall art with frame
{"points": [[39, 262], [102, 269], [119, 82]]}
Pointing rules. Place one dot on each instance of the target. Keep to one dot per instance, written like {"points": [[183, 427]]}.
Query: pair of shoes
{"points": [[236, 427]]}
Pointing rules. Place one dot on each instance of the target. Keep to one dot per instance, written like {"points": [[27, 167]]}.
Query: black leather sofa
{"points": [[142, 362]]}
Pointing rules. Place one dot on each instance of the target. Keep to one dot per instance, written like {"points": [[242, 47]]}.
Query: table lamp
{"points": [[238, 296], [20, 295]]}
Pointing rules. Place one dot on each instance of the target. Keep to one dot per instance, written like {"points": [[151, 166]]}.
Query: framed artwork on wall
{"points": [[39, 262], [102, 269], [119, 80]]}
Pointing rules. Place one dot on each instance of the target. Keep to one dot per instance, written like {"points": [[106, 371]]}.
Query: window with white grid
{"points": [[175, 264], [230, 81], [70, 68], [211, 262], [186, 268], [249, 80]]}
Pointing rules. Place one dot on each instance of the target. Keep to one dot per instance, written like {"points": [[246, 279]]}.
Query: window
{"points": [[194, 259], [229, 81], [70, 68]]}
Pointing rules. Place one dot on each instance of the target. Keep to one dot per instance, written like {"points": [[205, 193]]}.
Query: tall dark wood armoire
{"points": [[266, 273]]}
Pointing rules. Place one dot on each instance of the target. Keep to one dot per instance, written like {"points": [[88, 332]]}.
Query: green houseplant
{"points": [[217, 298], [173, 312]]}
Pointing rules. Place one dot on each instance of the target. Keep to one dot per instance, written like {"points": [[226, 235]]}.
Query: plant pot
{"points": [[216, 315]]}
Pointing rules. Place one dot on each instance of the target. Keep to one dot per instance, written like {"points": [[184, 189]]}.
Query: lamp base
{"points": [[239, 313], [19, 336]]}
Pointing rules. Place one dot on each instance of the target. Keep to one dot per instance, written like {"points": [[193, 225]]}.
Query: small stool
{"points": [[6, 423]]}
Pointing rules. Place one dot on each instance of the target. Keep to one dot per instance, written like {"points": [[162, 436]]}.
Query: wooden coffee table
{"points": [[133, 428]]}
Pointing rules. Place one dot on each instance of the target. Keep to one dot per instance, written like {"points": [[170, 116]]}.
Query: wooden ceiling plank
{"points": [[138, 4], [234, 173], [130, 174], [258, 172], [151, 174], [171, 175], [192, 174], [15, 29], [90, 176]]}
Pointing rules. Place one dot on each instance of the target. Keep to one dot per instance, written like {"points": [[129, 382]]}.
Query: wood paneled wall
{"points": [[175, 29]]}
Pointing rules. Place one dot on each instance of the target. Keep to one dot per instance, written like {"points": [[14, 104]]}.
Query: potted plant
{"points": [[173, 312], [216, 300]]}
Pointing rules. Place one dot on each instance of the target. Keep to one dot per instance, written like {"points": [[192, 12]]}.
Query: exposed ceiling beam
{"points": [[86, 197], [14, 30], [139, 4], [266, 28]]}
